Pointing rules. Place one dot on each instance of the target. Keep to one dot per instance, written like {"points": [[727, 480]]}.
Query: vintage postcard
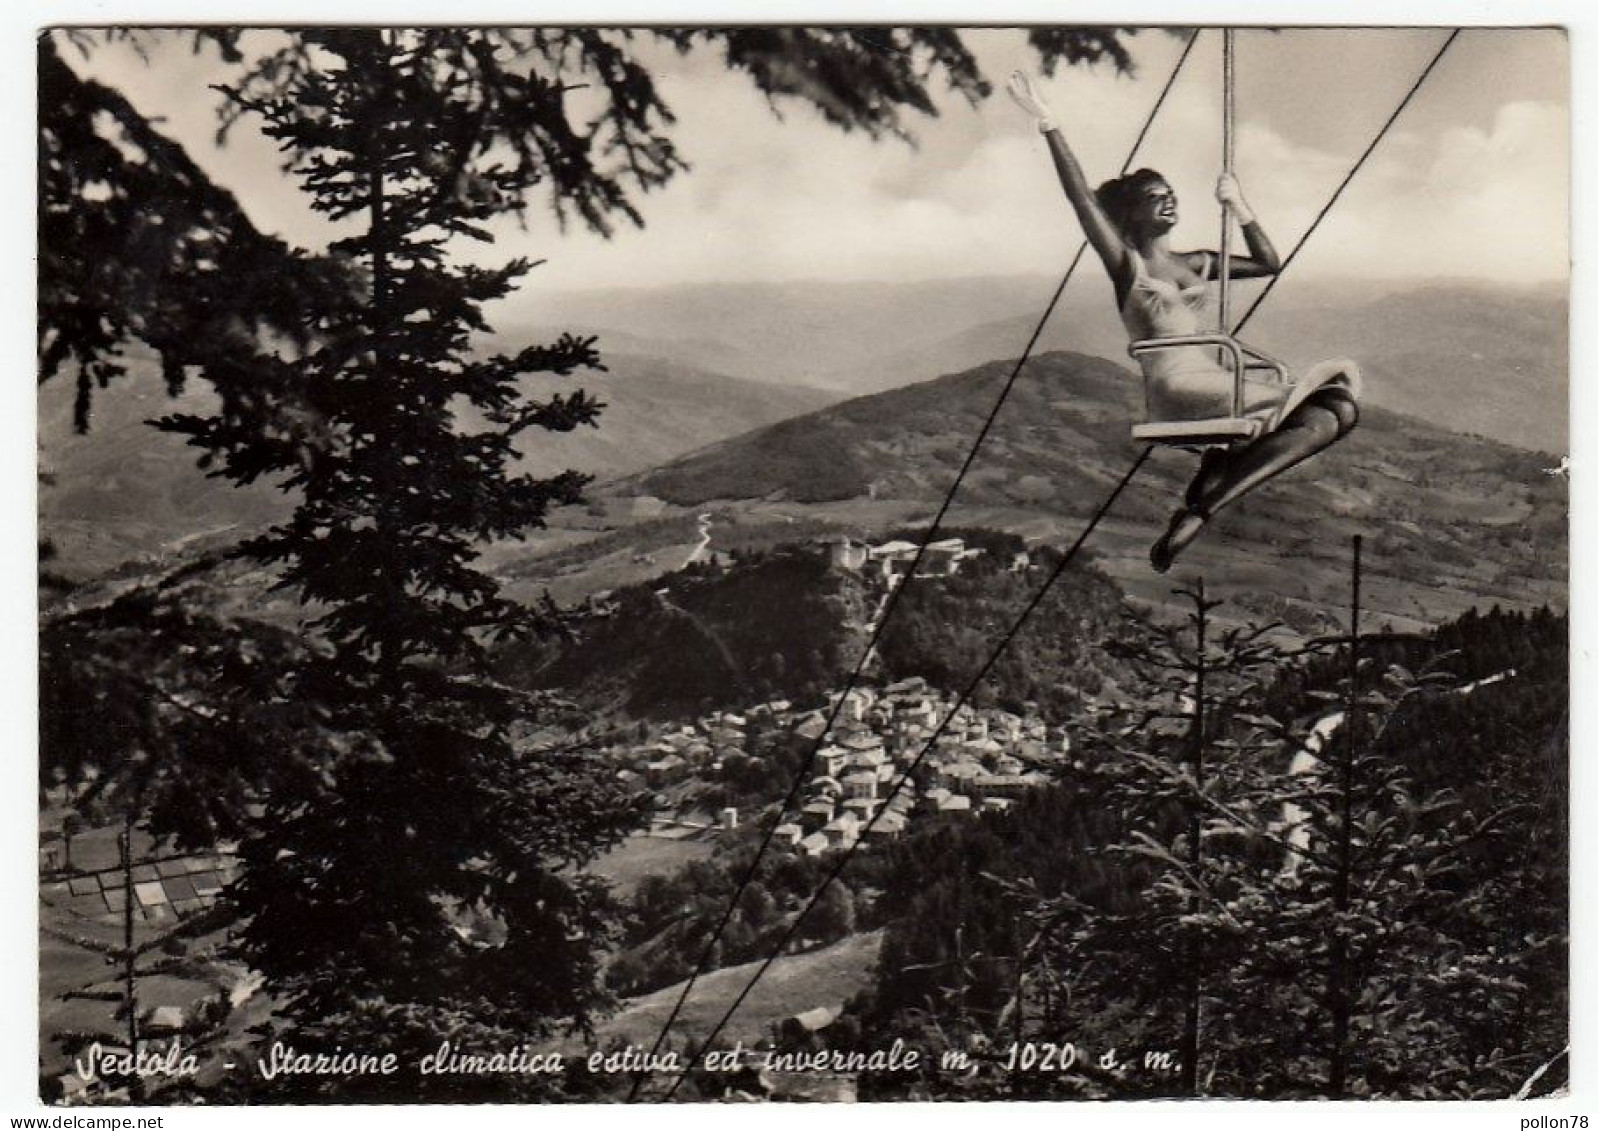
{"points": [[704, 563]]}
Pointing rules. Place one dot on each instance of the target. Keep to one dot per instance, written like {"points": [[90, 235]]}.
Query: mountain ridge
{"points": [[1449, 520], [126, 489], [1499, 350]]}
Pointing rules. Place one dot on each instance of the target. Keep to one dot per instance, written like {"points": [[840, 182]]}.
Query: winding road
{"points": [[704, 541], [1295, 820]]}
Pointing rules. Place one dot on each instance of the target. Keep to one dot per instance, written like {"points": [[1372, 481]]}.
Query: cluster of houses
{"points": [[702, 745], [979, 760], [887, 564], [893, 560]]}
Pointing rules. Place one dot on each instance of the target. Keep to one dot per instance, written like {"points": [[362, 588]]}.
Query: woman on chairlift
{"points": [[1163, 293]]}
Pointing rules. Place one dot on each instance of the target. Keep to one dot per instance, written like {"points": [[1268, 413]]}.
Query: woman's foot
{"points": [[1185, 526]]}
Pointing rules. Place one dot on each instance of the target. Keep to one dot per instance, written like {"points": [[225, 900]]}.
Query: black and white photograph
{"points": [[706, 563]]}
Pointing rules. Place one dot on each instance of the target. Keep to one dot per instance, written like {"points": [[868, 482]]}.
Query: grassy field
{"points": [[643, 855], [825, 977]]}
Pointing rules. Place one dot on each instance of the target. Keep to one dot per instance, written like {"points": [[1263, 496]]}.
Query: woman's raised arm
{"points": [[1101, 233]]}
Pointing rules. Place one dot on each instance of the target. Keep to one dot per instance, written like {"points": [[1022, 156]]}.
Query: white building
{"points": [[815, 844], [861, 808], [843, 830], [860, 784]]}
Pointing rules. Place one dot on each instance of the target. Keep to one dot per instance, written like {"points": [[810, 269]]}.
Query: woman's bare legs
{"points": [[1211, 469], [1315, 425]]}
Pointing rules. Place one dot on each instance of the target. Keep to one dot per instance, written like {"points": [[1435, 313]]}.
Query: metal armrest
{"points": [[1153, 345], [1254, 359]]}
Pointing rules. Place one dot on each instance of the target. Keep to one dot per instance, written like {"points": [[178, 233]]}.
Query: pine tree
{"points": [[1185, 767], [833, 916], [1392, 908], [1408, 872], [1306, 912], [422, 881]]}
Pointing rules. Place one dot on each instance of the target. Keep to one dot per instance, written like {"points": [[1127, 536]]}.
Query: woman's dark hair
{"points": [[1119, 197]]}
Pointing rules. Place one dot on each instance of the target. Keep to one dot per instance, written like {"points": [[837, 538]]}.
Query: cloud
{"points": [[1481, 194], [796, 199], [1473, 202]]}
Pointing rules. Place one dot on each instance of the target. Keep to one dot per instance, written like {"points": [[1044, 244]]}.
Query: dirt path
{"points": [[734, 672], [704, 542]]}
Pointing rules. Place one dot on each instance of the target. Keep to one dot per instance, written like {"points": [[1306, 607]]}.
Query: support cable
{"points": [[1065, 561]]}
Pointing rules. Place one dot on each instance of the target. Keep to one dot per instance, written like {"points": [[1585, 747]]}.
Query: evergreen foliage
{"points": [[944, 630], [1432, 915], [707, 640], [137, 243], [672, 916]]}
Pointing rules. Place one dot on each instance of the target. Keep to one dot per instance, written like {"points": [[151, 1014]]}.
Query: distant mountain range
{"points": [[126, 489], [1457, 357], [828, 335], [1468, 356], [1449, 520], [657, 409]]}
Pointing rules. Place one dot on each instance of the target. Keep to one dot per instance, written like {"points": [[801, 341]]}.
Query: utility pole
{"points": [[1020, 977], [1341, 994], [1191, 1013], [130, 1001]]}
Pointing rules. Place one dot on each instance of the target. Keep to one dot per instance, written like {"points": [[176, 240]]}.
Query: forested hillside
{"points": [[772, 624], [1449, 521], [784, 623], [1461, 789]]}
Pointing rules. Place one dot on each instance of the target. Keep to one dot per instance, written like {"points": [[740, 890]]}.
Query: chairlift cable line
{"points": [[1228, 161], [970, 689], [1037, 599], [915, 564]]}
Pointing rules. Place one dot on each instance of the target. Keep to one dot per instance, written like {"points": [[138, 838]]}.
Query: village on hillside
{"points": [[979, 760], [883, 564], [892, 560]]}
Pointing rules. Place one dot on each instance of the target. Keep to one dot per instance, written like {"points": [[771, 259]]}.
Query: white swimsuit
{"points": [[1186, 382]]}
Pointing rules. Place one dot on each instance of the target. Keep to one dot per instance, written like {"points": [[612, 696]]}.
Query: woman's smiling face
{"points": [[1156, 206]]}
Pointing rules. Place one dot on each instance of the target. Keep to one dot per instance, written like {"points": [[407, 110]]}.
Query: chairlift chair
{"points": [[1219, 431], [1209, 432]]}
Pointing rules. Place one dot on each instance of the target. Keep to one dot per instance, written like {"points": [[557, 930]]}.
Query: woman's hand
{"points": [[1100, 231], [1230, 194], [1020, 88], [1262, 259]]}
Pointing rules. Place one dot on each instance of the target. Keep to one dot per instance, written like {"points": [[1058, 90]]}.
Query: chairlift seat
{"points": [[1210, 432], [1220, 431]]}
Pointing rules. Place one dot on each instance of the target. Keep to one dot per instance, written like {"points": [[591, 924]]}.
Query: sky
{"points": [[1472, 183]]}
